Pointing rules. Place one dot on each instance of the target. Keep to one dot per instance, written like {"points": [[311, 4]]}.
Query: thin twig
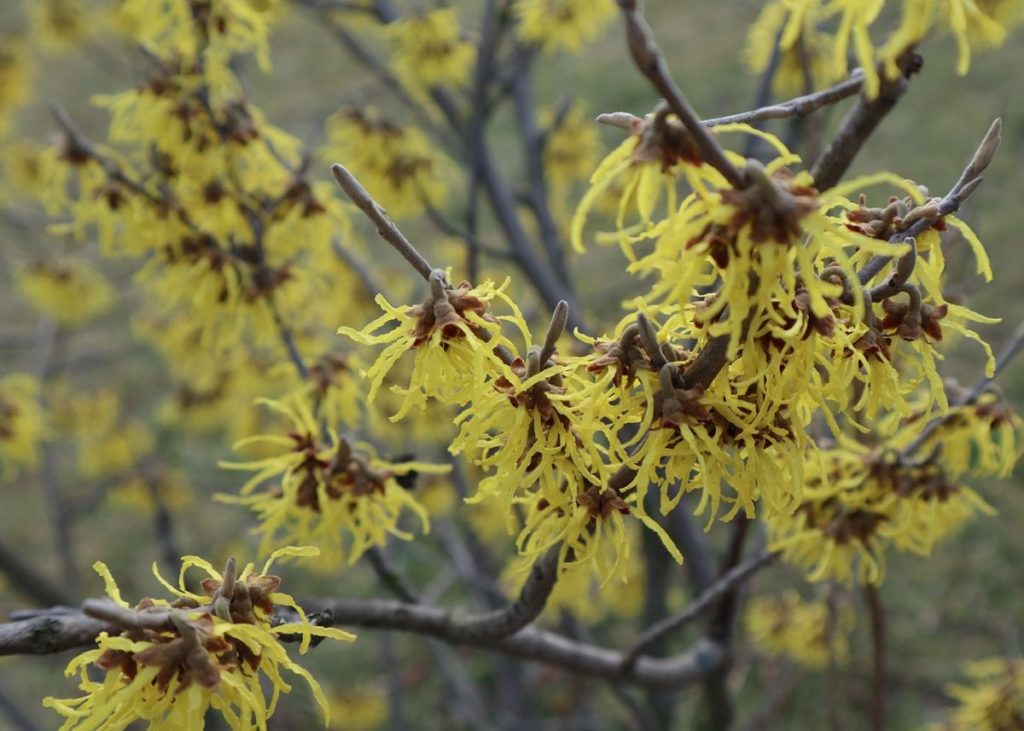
{"points": [[729, 581], [876, 612], [389, 577], [379, 217], [968, 182], [651, 62], [858, 125]]}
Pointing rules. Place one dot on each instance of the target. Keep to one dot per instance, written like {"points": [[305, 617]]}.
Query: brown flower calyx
{"points": [[674, 406], [538, 396], [600, 503], [874, 342], [327, 371], [894, 218], [923, 479], [773, 205], [844, 525], [234, 600], [447, 309], [187, 656], [914, 319], [299, 195], [663, 139]]}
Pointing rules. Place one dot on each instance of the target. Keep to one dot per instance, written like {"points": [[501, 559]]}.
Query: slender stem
{"points": [[651, 62], [876, 612], [732, 578], [379, 217], [389, 577], [855, 130]]}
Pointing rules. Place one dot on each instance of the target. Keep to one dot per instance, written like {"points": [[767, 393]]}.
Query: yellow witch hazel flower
{"points": [[399, 164], [820, 37], [994, 701], [336, 494], [562, 24], [23, 423], [792, 29], [69, 290], [60, 25], [16, 71], [176, 660], [787, 626], [897, 488], [452, 335], [429, 49]]}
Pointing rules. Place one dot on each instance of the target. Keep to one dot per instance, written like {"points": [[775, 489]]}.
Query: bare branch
{"points": [[67, 629], [877, 613], [389, 577], [730, 580], [862, 120], [51, 632], [964, 187], [527, 607], [651, 62], [385, 226], [799, 106]]}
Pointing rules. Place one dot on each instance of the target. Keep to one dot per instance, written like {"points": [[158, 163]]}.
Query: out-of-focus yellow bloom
{"points": [[822, 35], [362, 708], [902, 492], [428, 49], [339, 496], [786, 625], [571, 149], [59, 25], [23, 423], [979, 25], [398, 165], [16, 71], [106, 442], [205, 651], [141, 492], [562, 24], [69, 290], [805, 51], [994, 701]]}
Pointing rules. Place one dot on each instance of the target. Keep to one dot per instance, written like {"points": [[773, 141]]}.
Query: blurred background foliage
{"points": [[965, 602]]}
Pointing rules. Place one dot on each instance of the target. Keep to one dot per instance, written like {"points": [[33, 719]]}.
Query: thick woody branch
{"points": [[861, 121], [66, 629], [533, 644], [54, 631], [527, 607], [651, 62]]}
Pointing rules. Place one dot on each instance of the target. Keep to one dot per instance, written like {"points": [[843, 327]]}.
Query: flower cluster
{"points": [[811, 633], [898, 489], [562, 24], [993, 702], [816, 38], [337, 495], [175, 660], [429, 50], [23, 423]]}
